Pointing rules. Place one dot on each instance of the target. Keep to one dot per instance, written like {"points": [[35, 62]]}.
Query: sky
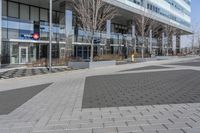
{"points": [[195, 11], [195, 15]]}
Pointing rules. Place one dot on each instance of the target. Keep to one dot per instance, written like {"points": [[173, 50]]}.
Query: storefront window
{"points": [[13, 9], [4, 8], [54, 16], [13, 28], [14, 53], [34, 14], [4, 27], [43, 15], [32, 53], [24, 12], [5, 53]]}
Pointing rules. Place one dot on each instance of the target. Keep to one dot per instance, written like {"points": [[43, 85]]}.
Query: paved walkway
{"points": [[24, 72], [58, 108]]}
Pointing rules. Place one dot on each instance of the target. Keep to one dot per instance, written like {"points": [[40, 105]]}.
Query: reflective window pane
{"points": [[24, 12], [34, 14], [4, 8], [13, 9], [44, 15]]}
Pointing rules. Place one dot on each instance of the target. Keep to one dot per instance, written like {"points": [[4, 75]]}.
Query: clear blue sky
{"points": [[186, 41], [196, 11]]}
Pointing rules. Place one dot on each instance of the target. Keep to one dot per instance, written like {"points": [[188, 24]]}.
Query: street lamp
{"points": [[50, 35]]}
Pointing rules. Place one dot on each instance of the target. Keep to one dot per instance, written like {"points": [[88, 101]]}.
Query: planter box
{"points": [[82, 65]]}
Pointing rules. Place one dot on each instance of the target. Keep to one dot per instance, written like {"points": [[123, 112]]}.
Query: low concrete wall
{"points": [[102, 64], [82, 65], [78, 65]]}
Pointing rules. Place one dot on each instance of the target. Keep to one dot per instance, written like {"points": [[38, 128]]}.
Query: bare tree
{"points": [[194, 37], [143, 27], [169, 30], [92, 16]]}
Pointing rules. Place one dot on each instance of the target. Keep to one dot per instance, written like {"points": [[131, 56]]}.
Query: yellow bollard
{"points": [[132, 58]]}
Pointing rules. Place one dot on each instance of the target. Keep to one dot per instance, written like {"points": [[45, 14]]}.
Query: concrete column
{"points": [[108, 36], [163, 43], [68, 22], [134, 37], [108, 28], [150, 41], [178, 44], [174, 44], [0, 32]]}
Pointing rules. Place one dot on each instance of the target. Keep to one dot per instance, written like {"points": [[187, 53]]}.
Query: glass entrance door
{"points": [[23, 55]]}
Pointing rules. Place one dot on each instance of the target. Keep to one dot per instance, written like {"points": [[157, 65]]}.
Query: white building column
{"points": [[163, 43], [174, 44], [0, 31], [108, 36], [150, 41], [178, 43], [68, 21], [108, 28], [134, 38]]}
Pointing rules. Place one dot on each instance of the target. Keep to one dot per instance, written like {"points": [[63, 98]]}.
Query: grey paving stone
{"points": [[28, 72], [177, 126], [194, 63], [51, 131], [193, 130], [153, 127], [129, 129], [146, 68], [12, 99], [92, 125], [80, 131], [4, 130], [142, 89], [171, 131], [105, 130], [115, 124]]}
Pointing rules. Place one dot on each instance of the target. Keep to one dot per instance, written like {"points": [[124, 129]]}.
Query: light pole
{"points": [[50, 35]]}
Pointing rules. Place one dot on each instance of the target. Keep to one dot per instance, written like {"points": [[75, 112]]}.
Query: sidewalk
{"points": [[58, 108], [24, 72], [30, 71]]}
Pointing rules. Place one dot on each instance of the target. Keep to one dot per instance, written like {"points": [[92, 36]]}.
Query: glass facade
{"points": [[19, 23], [174, 6], [22, 21]]}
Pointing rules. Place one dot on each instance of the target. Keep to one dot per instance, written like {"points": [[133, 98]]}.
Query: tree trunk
{"points": [[143, 28], [92, 50]]}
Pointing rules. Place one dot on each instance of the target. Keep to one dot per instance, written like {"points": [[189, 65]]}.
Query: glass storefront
{"points": [[19, 23], [22, 22]]}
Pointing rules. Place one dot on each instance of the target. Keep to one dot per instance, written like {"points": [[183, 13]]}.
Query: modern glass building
{"points": [[25, 29]]}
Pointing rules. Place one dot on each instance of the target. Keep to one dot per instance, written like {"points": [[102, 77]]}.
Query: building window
{"points": [[55, 19], [24, 12], [43, 15], [13, 10], [34, 14], [4, 6]]}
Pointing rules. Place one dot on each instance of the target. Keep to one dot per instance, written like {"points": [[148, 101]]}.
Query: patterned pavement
{"points": [[29, 72], [195, 63], [12, 99], [58, 108], [151, 88], [147, 68]]}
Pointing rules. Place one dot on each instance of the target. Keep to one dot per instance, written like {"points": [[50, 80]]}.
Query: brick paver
{"points": [[166, 87], [147, 68], [58, 108], [28, 72]]}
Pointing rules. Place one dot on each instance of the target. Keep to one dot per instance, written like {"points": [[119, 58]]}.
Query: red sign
{"points": [[36, 36]]}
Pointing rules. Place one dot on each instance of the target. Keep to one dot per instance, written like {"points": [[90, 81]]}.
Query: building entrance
{"points": [[23, 55]]}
